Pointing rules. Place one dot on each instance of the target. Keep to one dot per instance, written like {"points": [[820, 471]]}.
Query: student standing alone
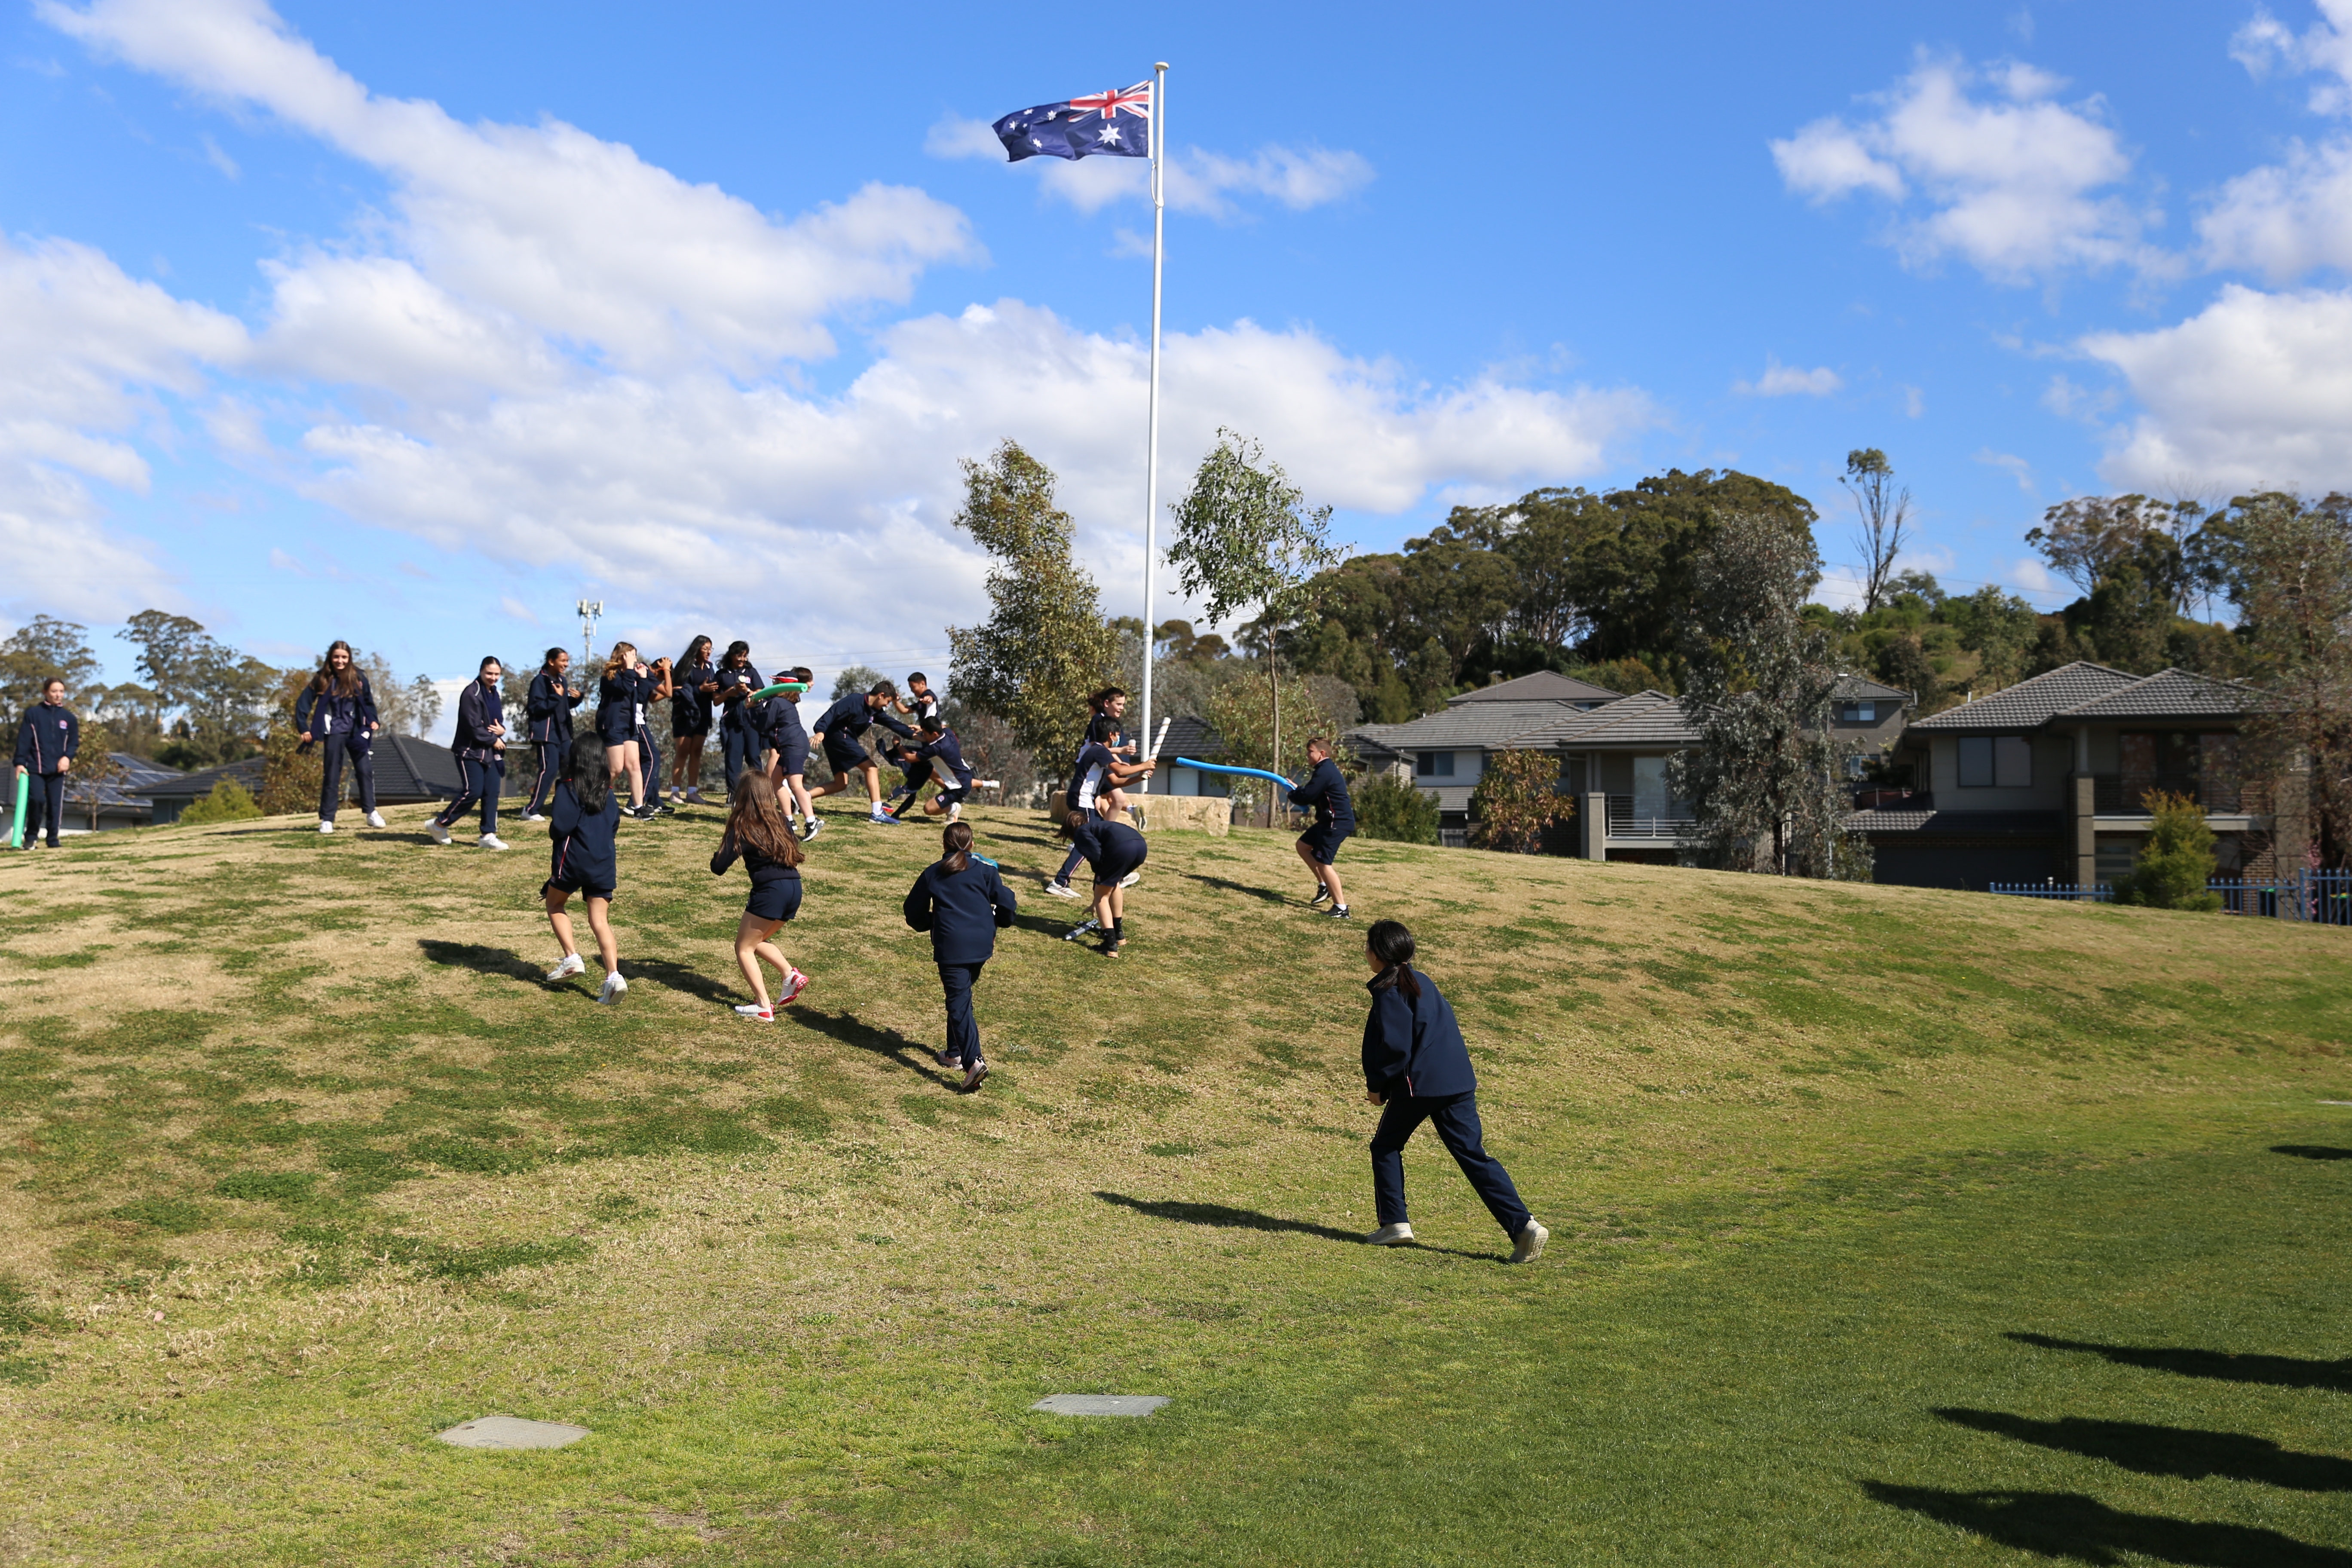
{"points": [[46, 743], [961, 901], [337, 710], [1417, 1070]]}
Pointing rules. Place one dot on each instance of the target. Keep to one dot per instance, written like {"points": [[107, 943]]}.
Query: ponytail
{"points": [[1391, 943], [957, 842]]}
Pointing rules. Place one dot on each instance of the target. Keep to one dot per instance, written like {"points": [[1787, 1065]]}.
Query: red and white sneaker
{"points": [[754, 1011], [795, 983]]}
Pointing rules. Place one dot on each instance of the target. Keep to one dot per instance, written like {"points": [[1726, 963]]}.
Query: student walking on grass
{"points": [[480, 748], [46, 743], [337, 709], [1417, 1070], [962, 903], [583, 819], [738, 735], [759, 834]]}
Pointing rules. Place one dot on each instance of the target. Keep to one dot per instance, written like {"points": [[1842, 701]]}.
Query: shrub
{"points": [[2173, 869], [228, 802], [1387, 807], [1517, 798]]}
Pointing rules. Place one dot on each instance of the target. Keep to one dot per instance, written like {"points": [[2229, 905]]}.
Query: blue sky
{"points": [[410, 324]]}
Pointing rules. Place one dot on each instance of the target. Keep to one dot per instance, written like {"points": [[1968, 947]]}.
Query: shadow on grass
{"points": [[1227, 885], [865, 1036], [498, 961], [678, 977], [2182, 1451], [1220, 1216], [2276, 1371], [2310, 1152], [2070, 1525]]}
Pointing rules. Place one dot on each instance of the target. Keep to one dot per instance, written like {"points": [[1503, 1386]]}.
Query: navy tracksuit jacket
{"points": [[1415, 1059], [479, 708], [585, 855], [46, 735], [962, 911], [547, 714], [346, 728], [1326, 791], [844, 724]]}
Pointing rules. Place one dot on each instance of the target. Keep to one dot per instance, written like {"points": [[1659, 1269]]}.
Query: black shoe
{"points": [[1322, 896], [1339, 912]]}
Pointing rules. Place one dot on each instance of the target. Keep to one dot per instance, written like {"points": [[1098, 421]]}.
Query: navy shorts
{"points": [[1324, 842], [776, 900], [845, 759], [792, 757], [572, 885], [1115, 868], [955, 796], [687, 719]]}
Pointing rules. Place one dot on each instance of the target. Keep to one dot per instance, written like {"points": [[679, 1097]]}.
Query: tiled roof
{"points": [[140, 771], [1647, 719], [1861, 688], [1190, 737], [1543, 686], [195, 785], [408, 768], [1955, 824], [2172, 694], [1471, 724], [1370, 740], [2029, 704]]}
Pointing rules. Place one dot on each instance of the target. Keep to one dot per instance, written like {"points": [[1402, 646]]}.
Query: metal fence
{"points": [[2318, 897]]}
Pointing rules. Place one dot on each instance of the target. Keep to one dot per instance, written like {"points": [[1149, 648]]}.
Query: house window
{"points": [[1996, 761], [1434, 765], [1857, 712]]}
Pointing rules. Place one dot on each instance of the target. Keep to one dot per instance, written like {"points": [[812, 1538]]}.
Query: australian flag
{"points": [[1116, 123]]}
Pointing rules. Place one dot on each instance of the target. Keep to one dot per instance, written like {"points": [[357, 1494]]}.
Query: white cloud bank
{"points": [[2012, 180], [1788, 381], [557, 352], [1199, 181]]}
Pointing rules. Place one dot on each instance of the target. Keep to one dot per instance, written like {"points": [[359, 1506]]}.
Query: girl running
{"points": [[583, 820], [961, 901], [1116, 851], [340, 699], [694, 681], [479, 745], [760, 832]]}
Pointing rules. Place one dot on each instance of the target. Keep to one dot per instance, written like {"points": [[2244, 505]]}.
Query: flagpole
{"points": [[1151, 441]]}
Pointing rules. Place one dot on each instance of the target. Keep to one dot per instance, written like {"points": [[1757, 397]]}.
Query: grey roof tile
{"points": [[1543, 686], [2172, 694], [2029, 704], [1645, 719], [1479, 724], [1191, 737], [1857, 687]]}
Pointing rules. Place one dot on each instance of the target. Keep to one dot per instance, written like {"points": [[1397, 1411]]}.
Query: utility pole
{"points": [[589, 610]]}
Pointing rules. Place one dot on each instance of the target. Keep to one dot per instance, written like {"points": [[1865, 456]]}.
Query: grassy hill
{"points": [[1889, 1225]]}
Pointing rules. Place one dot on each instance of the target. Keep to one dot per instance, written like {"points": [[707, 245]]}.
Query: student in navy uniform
{"points": [[920, 701], [343, 706], [940, 758], [914, 773], [961, 901], [1116, 851], [583, 821], [1103, 766], [1335, 820], [1417, 1070], [843, 730], [47, 743], [649, 753], [479, 746], [760, 833], [626, 688], [739, 737], [694, 681], [790, 741], [547, 712]]}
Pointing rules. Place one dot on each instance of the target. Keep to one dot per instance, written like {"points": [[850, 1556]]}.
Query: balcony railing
{"points": [[2109, 797], [1624, 823]]}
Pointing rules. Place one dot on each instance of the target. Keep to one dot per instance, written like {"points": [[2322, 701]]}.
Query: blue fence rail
{"points": [[2319, 898]]}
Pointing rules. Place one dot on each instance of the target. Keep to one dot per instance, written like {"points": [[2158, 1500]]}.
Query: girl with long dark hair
{"points": [[760, 833], [583, 819], [694, 680], [480, 749], [1417, 1070], [739, 731], [961, 901], [337, 709]]}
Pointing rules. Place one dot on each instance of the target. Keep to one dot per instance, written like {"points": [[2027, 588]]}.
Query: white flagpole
{"points": [[1151, 442]]}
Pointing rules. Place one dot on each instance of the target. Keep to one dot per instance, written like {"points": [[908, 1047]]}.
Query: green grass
{"points": [[1890, 1226]]}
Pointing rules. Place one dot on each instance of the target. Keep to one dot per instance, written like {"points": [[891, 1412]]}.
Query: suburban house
{"points": [[173, 795], [1189, 737], [1613, 753], [408, 771], [117, 803], [2044, 781]]}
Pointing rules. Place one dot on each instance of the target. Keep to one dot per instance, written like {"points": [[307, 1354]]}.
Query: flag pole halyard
{"points": [[1152, 440]]}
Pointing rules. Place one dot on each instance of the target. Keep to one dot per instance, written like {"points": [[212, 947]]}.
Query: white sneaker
{"points": [[1061, 890], [676, 793], [973, 1075], [955, 812], [694, 798], [325, 826], [614, 989], [491, 841], [1130, 879], [753, 1010], [573, 965], [532, 816], [440, 833], [375, 819], [794, 985], [1395, 1235], [1530, 1244]]}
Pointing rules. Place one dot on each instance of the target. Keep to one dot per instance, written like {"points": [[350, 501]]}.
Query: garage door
{"points": [[1972, 867]]}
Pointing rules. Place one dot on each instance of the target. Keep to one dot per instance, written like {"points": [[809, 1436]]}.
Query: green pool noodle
{"points": [[16, 822], [777, 689]]}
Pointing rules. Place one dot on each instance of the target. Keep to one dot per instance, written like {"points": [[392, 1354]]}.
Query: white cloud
{"points": [[2288, 218], [2010, 179], [2015, 466], [1915, 402], [1198, 181], [516, 608], [220, 160], [83, 349], [1787, 381], [2034, 577], [2255, 389], [2265, 43]]}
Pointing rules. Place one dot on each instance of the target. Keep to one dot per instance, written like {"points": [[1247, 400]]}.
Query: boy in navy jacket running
{"points": [[961, 901]]}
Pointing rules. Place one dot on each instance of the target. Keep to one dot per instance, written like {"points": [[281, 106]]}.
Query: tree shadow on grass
{"points": [[2182, 1451], [2070, 1525], [1227, 885], [503, 962], [678, 977], [2311, 1151], [2276, 1371], [865, 1036], [1220, 1216]]}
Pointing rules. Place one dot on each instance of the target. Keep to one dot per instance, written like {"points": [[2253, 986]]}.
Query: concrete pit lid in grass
{"points": [[512, 1432], [1100, 1403]]}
